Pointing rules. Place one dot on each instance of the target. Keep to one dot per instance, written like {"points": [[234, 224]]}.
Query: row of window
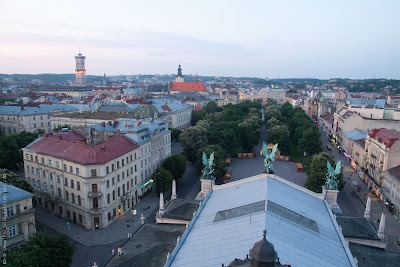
{"points": [[50, 163], [119, 191], [34, 183], [123, 163]]}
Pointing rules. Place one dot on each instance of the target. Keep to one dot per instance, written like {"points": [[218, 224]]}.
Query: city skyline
{"points": [[229, 38]]}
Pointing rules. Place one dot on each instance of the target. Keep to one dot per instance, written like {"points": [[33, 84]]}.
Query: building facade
{"points": [[17, 217], [84, 182], [392, 189], [80, 71]]}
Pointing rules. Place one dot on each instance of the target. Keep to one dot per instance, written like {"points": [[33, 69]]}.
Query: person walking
{"points": [[127, 223]]}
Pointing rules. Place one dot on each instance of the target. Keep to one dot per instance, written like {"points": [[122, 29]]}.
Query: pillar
{"points": [[161, 210], [173, 196], [381, 232], [367, 213]]}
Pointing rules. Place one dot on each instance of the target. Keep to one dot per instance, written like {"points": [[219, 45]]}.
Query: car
{"points": [[398, 240], [354, 183]]}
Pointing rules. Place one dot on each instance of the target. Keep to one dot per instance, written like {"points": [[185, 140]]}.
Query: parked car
{"points": [[354, 183]]}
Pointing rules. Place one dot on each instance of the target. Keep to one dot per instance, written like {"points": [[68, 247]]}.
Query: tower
{"points": [[179, 77], [80, 72]]}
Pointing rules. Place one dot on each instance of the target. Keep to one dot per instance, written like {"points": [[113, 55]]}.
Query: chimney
{"points": [[59, 137], [109, 123], [103, 148], [22, 107], [103, 124], [87, 141]]}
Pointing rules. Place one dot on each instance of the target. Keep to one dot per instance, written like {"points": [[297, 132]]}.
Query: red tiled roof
{"points": [[328, 117], [165, 107], [80, 152], [386, 137], [188, 86]]}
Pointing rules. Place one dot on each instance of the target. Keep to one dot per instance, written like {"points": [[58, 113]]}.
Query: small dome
{"points": [[263, 251], [322, 99]]}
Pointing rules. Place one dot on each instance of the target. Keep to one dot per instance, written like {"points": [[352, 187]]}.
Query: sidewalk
{"points": [[117, 231]]}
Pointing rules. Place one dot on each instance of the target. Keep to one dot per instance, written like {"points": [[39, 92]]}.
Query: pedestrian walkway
{"points": [[117, 231]]}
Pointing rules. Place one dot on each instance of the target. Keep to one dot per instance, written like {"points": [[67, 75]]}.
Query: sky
{"points": [[356, 39]]}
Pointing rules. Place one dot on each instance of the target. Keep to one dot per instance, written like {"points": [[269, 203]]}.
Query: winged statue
{"points": [[208, 166], [331, 181], [269, 158]]}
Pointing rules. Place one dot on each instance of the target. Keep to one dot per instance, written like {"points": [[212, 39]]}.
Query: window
{"points": [[93, 172], [77, 171], [65, 167], [36, 159], [51, 176], [107, 170], [117, 164], [66, 195], [123, 176], [123, 190], [58, 178], [66, 181], [131, 157], [112, 167], [70, 169], [108, 183], [33, 170], [52, 190], [135, 168], [113, 194], [122, 163], [109, 216], [68, 214], [31, 158], [118, 178], [127, 186], [42, 160], [131, 170], [72, 183], [126, 160], [12, 231], [10, 211], [79, 200], [73, 198], [18, 208], [113, 181], [132, 182], [34, 125], [59, 192], [26, 156], [45, 187], [80, 218], [95, 203], [28, 169], [119, 192], [94, 188], [38, 185], [41, 117], [108, 198], [78, 186], [114, 212]]}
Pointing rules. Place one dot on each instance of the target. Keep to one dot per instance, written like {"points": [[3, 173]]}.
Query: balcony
{"points": [[15, 239], [95, 194]]}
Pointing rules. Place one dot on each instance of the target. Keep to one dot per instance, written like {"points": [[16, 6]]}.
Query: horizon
{"points": [[226, 38]]}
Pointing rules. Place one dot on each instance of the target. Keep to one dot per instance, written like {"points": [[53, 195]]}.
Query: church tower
{"points": [[80, 72], [179, 77]]}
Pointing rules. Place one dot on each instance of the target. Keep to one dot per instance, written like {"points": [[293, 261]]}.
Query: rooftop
{"points": [[384, 136], [12, 193], [356, 134], [395, 172], [188, 86]]}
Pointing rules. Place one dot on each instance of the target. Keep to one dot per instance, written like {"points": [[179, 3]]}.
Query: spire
{"points": [[161, 210], [367, 213], [173, 196], [381, 232], [197, 78], [179, 71]]}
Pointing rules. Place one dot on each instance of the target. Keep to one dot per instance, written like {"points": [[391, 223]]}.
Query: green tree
{"points": [[192, 140], [176, 165], [279, 134], [198, 115], [175, 133], [44, 250], [273, 122], [9, 177], [310, 141], [10, 154], [211, 107], [272, 112], [318, 170], [163, 179], [219, 160]]}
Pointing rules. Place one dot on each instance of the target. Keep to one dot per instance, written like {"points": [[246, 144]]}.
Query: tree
{"points": [[163, 179], [279, 134], [310, 141], [212, 107], [197, 115], [9, 177], [272, 112], [318, 170], [176, 165], [10, 154], [45, 250], [192, 140], [175, 133], [273, 122], [219, 160]]}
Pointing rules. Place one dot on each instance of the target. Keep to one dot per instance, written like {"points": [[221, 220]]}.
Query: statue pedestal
{"points": [[206, 186], [331, 197], [270, 172]]}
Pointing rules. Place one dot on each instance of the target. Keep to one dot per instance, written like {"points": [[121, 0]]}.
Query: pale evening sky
{"points": [[255, 38]]}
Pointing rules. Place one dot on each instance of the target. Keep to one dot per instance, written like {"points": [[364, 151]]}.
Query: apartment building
{"points": [[87, 182], [17, 217], [382, 150], [15, 119], [392, 189]]}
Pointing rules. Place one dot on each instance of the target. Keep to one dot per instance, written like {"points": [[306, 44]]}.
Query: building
{"points": [[15, 119], [358, 156], [391, 191], [17, 217], [73, 91], [277, 95], [299, 223], [349, 137], [177, 114], [179, 77], [80, 71], [181, 86], [107, 91], [382, 150], [84, 181]]}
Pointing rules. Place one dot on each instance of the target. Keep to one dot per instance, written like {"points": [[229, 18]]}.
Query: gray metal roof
{"points": [[10, 193], [210, 243]]}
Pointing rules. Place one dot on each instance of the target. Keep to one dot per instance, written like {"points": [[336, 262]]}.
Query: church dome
{"points": [[263, 251], [322, 99]]}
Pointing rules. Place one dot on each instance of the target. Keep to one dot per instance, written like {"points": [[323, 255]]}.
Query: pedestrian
{"points": [[127, 223]]}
